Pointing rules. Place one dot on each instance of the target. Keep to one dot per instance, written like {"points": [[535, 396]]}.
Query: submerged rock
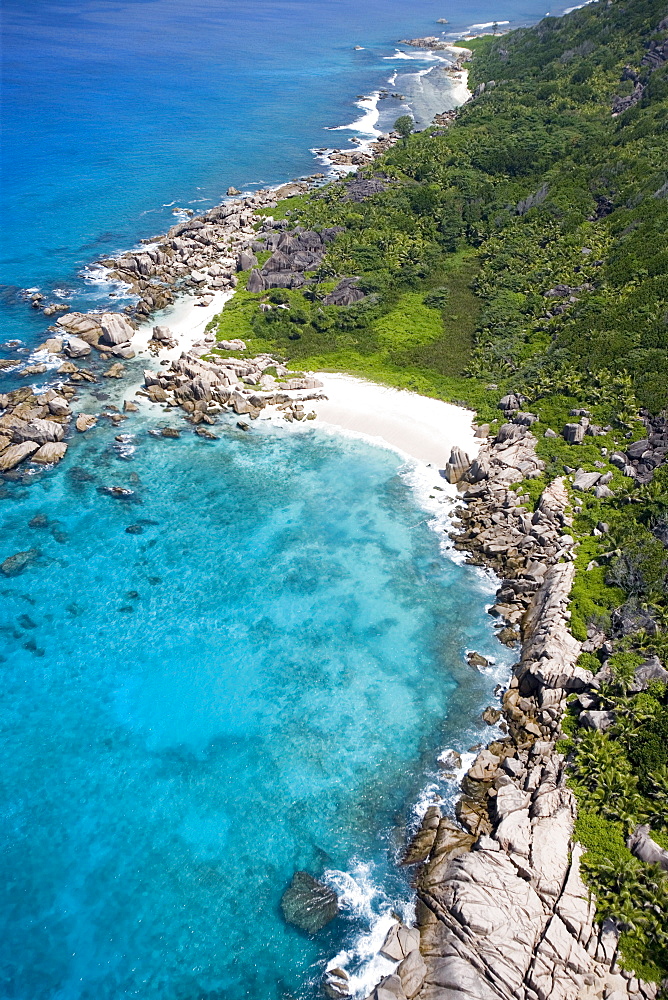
{"points": [[309, 904], [15, 564], [79, 475]]}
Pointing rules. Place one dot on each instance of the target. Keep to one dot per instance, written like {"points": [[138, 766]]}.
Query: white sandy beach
{"points": [[419, 427], [185, 319]]}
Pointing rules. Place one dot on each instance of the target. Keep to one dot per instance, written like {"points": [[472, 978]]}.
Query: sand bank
{"points": [[419, 427]]}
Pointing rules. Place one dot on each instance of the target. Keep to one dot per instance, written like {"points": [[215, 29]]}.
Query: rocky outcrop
{"points": [[75, 347], [642, 457], [309, 904], [85, 421], [32, 427], [50, 453], [457, 465], [203, 389], [115, 330], [15, 454], [502, 911], [13, 565], [641, 844], [346, 293]]}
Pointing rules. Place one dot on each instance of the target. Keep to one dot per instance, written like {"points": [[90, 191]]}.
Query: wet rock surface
{"points": [[308, 903], [502, 912]]}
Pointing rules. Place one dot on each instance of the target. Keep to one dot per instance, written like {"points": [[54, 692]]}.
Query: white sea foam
{"points": [[367, 123], [569, 10], [363, 899], [486, 24], [420, 55]]}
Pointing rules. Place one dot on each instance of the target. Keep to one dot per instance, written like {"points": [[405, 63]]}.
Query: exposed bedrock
{"points": [[502, 910]]}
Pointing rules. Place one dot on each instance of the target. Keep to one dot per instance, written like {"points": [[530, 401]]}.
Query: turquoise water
{"points": [[257, 682], [258, 677]]}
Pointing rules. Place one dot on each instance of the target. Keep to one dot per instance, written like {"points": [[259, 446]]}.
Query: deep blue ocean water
{"points": [[259, 680]]}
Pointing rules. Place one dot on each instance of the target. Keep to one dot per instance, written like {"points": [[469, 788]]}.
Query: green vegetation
{"points": [[404, 126], [524, 249]]}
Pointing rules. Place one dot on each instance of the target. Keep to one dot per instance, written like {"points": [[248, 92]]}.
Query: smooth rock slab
{"points": [[115, 329], [49, 453], [309, 904], [37, 430], [16, 453], [75, 347]]}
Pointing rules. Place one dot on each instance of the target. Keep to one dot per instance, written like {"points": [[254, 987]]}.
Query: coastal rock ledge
{"points": [[502, 912]]}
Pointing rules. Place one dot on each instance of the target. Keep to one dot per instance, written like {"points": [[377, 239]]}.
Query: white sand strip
{"points": [[185, 319], [419, 427]]}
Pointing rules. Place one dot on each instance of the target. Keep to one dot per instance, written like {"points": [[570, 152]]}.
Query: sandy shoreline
{"points": [[419, 427]]}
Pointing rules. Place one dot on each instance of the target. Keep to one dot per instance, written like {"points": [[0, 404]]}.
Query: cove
{"points": [[255, 679]]}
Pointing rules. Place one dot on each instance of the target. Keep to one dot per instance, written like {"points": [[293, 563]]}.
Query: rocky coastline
{"points": [[200, 256], [502, 911]]}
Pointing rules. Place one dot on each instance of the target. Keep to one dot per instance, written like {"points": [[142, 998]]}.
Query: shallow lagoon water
{"points": [[255, 682]]}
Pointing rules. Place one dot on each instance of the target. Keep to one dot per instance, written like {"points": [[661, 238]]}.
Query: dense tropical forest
{"points": [[524, 249]]}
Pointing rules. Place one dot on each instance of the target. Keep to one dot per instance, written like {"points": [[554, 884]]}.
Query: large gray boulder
{"points": [[37, 430], [115, 329], [246, 260], [574, 433], [480, 469], [399, 942], [256, 282], [509, 402], [75, 347], [59, 406], [284, 279], [232, 345], [457, 465], [411, 972], [162, 334], [585, 480], [641, 844], [308, 903], [346, 293], [650, 670], [278, 261]]}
